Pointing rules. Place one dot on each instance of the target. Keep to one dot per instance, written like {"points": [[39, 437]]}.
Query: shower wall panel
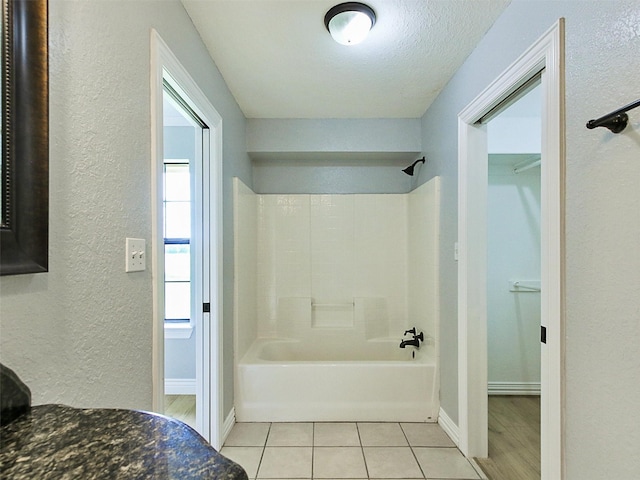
{"points": [[331, 249], [423, 265], [246, 261], [358, 264]]}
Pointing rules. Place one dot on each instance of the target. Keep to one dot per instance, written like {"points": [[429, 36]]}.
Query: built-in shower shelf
{"points": [[332, 315]]}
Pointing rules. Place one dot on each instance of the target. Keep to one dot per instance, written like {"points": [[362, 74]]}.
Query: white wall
{"points": [[513, 254], [602, 224], [82, 333]]}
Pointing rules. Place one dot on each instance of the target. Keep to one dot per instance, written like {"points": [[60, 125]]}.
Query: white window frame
{"points": [[184, 330]]}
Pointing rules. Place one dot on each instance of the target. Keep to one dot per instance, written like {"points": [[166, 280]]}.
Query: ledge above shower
{"points": [[332, 156], [389, 140]]}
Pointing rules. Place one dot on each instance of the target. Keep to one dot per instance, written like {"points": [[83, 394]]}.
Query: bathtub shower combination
{"points": [[326, 288]]}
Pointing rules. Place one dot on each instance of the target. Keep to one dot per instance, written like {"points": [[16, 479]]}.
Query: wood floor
{"points": [[514, 438], [182, 407]]}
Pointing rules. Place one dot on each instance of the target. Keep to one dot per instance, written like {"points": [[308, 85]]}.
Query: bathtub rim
{"points": [[427, 354]]}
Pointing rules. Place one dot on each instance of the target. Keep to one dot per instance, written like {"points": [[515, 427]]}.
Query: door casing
{"points": [[209, 354], [547, 56]]}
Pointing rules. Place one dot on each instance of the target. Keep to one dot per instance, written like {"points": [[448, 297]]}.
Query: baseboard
{"points": [[449, 426], [228, 424], [179, 386], [453, 431], [478, 468], [514, 388]]}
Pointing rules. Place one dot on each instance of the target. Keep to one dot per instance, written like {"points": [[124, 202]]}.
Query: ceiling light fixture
{"points": [[349, 23]]}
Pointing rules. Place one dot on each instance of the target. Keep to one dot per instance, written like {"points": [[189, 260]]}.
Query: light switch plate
{"points": [[136, 255]]}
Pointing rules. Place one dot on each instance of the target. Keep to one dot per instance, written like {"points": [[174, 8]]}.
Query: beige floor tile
{"points": [[381, 435], [444, 463], [336, 435], [290, 435], [247, 457], [391, 462], [426, 435], [248, 435], [286, 462], [338, 462]]}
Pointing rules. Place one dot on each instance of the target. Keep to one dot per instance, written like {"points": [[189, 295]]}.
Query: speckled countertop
{"points": [[54, 441]]}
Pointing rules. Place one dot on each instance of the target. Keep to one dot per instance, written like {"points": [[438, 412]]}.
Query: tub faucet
{"points": [[415, 341]]}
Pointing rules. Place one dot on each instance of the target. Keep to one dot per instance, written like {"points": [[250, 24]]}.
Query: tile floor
{"points": [[346, 451]]}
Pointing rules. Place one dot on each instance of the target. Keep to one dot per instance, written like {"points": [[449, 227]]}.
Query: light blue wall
{"points": [[81, 334], [180, 358], [332, 155], [179, 142], [373, 135], [324, 176], [601, 220]]}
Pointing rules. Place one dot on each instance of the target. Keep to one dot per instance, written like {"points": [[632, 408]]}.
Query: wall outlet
{"points": [[136, 255]]}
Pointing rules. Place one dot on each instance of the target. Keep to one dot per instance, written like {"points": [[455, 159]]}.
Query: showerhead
{"points": [[410, 168]]}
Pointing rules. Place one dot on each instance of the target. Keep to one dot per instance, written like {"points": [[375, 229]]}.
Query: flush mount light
{"points": [[349, 23]]}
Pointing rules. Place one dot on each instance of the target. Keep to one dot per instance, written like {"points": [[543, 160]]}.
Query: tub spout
{"points": [[414, 342]]}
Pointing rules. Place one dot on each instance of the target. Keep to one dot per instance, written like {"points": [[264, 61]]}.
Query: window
{"points": [[177, 240]]}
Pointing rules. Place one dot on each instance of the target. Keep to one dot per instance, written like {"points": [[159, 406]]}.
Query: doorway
{"points": [[544, 58], [186, 245], [513, 286], [184, 272]]}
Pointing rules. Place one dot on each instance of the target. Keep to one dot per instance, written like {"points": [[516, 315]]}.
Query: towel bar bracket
{"points": [[616, 124], [615, 121]]}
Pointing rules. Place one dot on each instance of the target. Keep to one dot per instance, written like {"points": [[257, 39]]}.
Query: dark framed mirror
{"points": [[24, 202]]}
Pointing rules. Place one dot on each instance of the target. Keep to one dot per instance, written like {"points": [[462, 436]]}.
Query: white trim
{"points": [[157, 241], [177, 331], [179, 386], [209, 330], [229, 422], [449, 426], [478, 469], [548, 54], [514, 388]]}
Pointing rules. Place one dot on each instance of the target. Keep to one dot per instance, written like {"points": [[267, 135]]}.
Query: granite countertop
{"points": [[55, 441]]}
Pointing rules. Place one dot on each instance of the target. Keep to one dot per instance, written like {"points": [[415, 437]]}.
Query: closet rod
{"points": [[523, 166], [615, 121], [333, 305]]}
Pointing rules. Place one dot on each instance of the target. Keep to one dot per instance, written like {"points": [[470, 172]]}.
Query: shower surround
{"points": [[325, 286]]}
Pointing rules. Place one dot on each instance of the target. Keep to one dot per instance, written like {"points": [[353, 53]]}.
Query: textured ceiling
{"points": [[280, 62]]}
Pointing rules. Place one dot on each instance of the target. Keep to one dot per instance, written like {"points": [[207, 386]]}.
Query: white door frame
{"points": [[546, 55], [209, 329]]}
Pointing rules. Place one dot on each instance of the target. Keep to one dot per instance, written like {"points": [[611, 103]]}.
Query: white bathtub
{"points": [[286, 381]]}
